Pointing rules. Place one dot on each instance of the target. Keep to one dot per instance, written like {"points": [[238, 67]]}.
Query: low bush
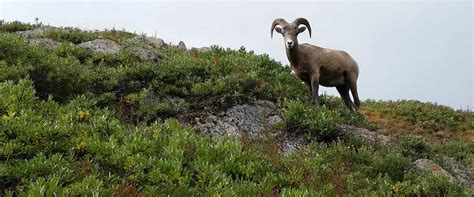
{"points": [[316, 122], [426, 115], [16, 26], [416, 148], [460, 150]]}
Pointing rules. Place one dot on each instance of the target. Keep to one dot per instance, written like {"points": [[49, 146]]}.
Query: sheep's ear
{"points": [[301, 29], [279, 30]]}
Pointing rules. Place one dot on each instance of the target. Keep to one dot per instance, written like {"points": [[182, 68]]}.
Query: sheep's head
{"points": [[290, 31]]}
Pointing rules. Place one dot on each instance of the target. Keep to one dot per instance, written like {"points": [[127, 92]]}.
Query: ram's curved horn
{"points": [[303, 21], [278, 21]]}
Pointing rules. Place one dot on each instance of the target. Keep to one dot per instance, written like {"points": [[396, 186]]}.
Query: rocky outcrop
{"points": [[145, 54], [145, 48], [146, 42], [428, 166], [34, 33], [202, 49], [251, 120], [181, 45], [216, 127], [46, 42], [463, 175], [364, 134], [101, 46]]}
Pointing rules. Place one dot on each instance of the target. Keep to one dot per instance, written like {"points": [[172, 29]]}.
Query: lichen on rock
{"points": [[101, 46]]}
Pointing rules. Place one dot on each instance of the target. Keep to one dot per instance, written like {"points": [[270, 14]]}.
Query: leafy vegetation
{"points": [[315, 122], [426, 115], [416, 148], [16, 26], [79, 123]]}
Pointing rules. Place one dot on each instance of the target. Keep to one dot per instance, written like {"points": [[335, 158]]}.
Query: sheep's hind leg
{"points": [[344, 92], [352, 79]]}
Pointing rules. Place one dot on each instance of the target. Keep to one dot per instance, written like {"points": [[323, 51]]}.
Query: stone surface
{"points": [[181, 45], [50, 43], [145, 54], [156, 42], [253, 119], [365, 134], [463, 175], [216, 127], [203, 49], [426, 165], [249, 119], [34, 32], [101, 46], [146, 42], [173, 100], [145, 47]]}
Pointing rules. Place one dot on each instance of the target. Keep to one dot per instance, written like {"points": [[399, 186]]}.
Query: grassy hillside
{"points": [[81, 123]]}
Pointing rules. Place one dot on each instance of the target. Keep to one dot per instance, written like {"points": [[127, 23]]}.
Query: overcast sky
{"points": [[405, 50]]}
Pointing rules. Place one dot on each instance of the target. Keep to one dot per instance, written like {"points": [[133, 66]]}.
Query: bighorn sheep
{"points": [[319, 66]]}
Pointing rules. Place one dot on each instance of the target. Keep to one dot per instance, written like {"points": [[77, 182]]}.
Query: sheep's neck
{"points": [[293, 56]]}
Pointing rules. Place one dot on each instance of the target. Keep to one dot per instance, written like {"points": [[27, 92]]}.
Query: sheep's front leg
{"points": [[315, 88]]}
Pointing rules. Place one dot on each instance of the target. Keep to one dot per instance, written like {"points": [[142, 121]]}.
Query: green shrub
{"points": [[115, 35], [52, 75], [460, 150], [73, 35], [314, 121], [427, 115], [16, 26], [392, 164], [416, 148], [149, 107]]}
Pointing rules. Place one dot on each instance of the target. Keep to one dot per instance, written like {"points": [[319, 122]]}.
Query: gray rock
{"points": [[252, 119], [463, 175], [275, 119], [34, 32], [145, 47], [181, 45], [101, 46], [291, 143], [173, 100], [203, 49], [216, 127], [156, 42], [365, 134], [249, 119], [50, 43], [146, 42], [145, 54], [426, 165], [246, 117]]}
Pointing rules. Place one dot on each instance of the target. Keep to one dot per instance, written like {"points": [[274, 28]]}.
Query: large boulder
{"points": [[202, 49], [216, 127], [253, 119], [101, 46], [181, 45], [428, 166], [463, 175], [145, 48], [34, 33], [249, 119], [46, 42], [146, 54], [146, 42], [364, 134]]}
